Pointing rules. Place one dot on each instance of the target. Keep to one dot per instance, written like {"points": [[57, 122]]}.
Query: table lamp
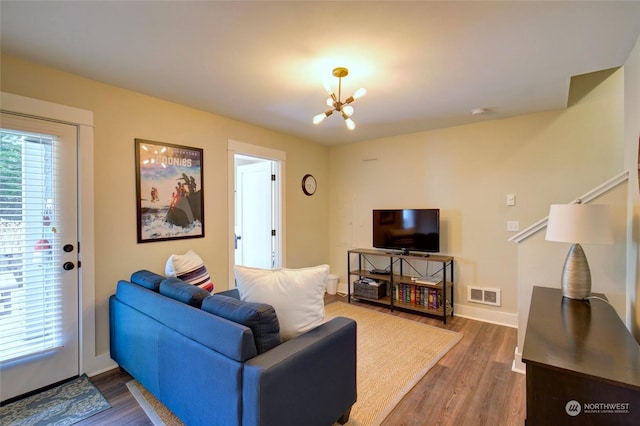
{"points": [[578, 224]]}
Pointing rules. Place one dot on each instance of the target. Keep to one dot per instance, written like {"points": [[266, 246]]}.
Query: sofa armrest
{"points": [[308, 380], [230, 293]]}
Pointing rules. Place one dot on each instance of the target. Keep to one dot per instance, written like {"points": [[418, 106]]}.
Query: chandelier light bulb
{"points": [[319, 118], [350, 123], [360, 93], [335, 102]]}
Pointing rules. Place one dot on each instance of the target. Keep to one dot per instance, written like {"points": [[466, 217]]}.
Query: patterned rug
{"points": [[65, 404], [393, 355]]}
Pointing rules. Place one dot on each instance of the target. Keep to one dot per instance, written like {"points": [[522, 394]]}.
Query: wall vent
{"points": [[487, 296]]}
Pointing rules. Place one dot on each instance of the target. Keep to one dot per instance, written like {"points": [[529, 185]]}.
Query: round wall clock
{"points": [[309, 184]]}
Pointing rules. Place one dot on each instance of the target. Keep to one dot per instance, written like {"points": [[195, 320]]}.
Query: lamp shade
{"points": [[579, 223]]}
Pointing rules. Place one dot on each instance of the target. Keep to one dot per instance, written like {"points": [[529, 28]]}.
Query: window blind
{"points": [[30, 282]]}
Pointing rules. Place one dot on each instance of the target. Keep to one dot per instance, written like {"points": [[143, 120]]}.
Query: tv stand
{"points": [[403, 286], [406, 252]]}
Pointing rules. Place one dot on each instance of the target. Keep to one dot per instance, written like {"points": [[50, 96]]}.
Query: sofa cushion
{"points": [[189, 267], [259, 317], [297, 295], [147, 279], [183, 292]]}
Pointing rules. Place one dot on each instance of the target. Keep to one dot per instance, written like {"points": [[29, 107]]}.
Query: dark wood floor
{"points": [[471, 385], [124, 408]]}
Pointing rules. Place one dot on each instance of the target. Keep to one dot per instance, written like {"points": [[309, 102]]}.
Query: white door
{"points": [[254, 215], [39, 313]]}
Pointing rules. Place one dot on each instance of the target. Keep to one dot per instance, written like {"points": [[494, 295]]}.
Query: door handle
{"points": [[67, 266]]}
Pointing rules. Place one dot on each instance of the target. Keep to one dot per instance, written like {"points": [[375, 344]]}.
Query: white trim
{"points": [[144, 404], [539, 225], [102, 363], [231, 219], [43, 109], [256, 150], [486, 315], [585, 198], [235, 147], [83, 119], [86, 237], [517, 365]]}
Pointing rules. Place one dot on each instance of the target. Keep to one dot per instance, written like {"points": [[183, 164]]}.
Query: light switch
{"points": [[511, 199], [513, 226]]}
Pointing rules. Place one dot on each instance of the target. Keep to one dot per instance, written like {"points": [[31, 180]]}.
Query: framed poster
{"points": [[169, 193]]}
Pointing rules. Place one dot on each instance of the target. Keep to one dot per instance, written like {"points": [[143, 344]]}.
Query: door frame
{"points": [[235, 147], [83, 120]]}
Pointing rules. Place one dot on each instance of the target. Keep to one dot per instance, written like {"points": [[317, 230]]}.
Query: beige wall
{"points": [[632, 161], [120, 116], [467, 171]]}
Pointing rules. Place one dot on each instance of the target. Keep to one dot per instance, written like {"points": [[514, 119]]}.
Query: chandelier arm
{"points": [[338, 105]]}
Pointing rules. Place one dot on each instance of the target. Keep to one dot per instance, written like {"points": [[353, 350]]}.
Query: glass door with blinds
{"points": [[38, 254]]}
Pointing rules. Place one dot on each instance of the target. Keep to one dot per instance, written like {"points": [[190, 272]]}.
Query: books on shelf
{"points": [[425, 297]]}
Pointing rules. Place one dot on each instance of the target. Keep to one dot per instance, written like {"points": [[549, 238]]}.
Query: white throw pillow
{"points": [[297, 295], [189, 267]]}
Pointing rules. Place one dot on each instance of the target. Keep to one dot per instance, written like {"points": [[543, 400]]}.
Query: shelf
{"points": [[365, 273], [386, 300], [400, 263], [417, 256], [397, 279], [411, 306]]}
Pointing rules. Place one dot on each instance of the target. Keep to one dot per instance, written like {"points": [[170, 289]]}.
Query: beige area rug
{"points": [[393, 355]]}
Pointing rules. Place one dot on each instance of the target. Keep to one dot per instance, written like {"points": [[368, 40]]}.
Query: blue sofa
{"points": [[215, 360]]}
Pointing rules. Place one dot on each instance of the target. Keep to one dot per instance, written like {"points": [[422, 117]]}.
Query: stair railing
{"points": [[584, 199]]}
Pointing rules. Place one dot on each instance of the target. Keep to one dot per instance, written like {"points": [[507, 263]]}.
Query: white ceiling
{"points": [[425, 65]]}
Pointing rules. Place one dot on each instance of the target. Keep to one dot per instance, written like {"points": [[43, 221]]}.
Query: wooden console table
{"points": [[583, 365]]}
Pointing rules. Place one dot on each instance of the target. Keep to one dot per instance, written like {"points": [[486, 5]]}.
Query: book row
{"points": [[418, 295]]}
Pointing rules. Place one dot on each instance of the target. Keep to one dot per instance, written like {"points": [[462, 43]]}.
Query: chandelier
{"points": [[336, 103]]}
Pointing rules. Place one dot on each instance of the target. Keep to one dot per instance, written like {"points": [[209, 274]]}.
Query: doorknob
{"points": [[68, 266]]}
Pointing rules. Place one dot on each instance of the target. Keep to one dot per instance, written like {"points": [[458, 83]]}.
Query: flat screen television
{"points": [[407, 230]]}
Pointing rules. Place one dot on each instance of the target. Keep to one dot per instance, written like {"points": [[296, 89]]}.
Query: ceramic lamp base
{"points": [[576, 276]]}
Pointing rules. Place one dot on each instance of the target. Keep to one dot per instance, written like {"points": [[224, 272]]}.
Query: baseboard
{"points": [[101, 364], [144, 404], [517, 365], [486, 315], [471, 312]]}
